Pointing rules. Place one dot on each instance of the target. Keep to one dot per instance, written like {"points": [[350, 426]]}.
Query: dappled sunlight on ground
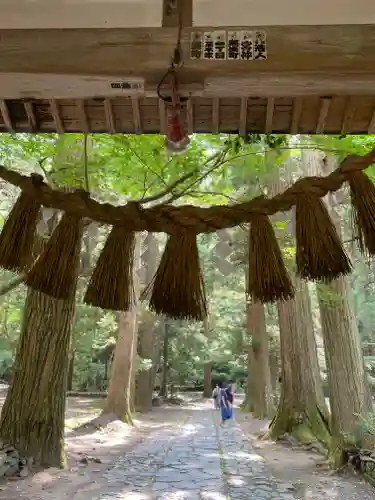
{"points": [[180, 453]]}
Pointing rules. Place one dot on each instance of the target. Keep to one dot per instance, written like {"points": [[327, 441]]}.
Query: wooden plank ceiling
{"points": [[316, 79]]}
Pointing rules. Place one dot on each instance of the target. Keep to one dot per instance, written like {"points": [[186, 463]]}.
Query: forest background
{"points": [[239, 340]]}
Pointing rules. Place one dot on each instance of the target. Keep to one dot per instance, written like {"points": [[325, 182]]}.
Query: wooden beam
{"points": [[348, 116], [190, 116], [215, 115], [55, 112], [320, 59], [31, 118], [162, 116], [136, 116], [82, 115], [243, 116], [109, 118], [6, 116], [269, 114], [285, 83], [325, 104], [296, 116]]}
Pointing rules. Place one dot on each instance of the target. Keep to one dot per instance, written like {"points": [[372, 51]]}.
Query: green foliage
{"points": [[217, 169]]}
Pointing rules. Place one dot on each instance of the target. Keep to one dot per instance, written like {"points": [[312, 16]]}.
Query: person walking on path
{"points": [[226, 401], [216, 397]]}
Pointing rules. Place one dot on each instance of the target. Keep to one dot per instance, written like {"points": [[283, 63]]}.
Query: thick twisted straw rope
{"points": [[169, 219]]}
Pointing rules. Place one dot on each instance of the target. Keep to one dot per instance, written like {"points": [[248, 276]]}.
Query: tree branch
{"points": [[145, 166], [41, 166], [168, 189], [218, 163]]}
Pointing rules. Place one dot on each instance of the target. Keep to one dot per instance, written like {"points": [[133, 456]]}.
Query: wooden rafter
{"points": [[55, 111], [296, 115], [31, 118], [284, 115], [109, 118], [6, 116], [136, 115], [348, 117], [325, 104], [83, 116]]}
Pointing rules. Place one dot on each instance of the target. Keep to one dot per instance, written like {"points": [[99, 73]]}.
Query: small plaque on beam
{"points": [[246, 45], [234, 45], [220, 45], [196, 45], [208, 46], [260, 48], [126, 85]]}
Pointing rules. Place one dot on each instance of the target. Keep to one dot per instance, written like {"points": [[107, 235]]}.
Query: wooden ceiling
{"points": [[286, 115], [316, 79]]}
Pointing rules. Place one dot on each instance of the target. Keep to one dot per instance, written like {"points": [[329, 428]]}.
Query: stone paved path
{"points": [[198, 461]]}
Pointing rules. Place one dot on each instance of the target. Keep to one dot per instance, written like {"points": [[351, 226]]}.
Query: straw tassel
{"points": [[17, 236], [268, 279], [55, 271], [177, 289], [362, 193], [111, 285], [320, 254]]}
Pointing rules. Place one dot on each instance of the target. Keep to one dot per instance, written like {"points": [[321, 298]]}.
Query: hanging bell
{"points": [[177, 140]]}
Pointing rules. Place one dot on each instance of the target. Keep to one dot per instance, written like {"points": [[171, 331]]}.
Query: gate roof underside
{"points": [[316, 79]]}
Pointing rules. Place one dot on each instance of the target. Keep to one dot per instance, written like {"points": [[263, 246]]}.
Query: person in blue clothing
{"points": [[226, 403]]}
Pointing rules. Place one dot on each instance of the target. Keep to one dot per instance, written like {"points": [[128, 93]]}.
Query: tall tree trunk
{"points": [[302, 410], [260, 380], [149, 334], [164, 380], [247, 405], [70, 371], [32, 418], [207, 387], [207, 384], [149, 348], [119, 397], [347, 380], [345, 368], [133, 372], [274, 371]]}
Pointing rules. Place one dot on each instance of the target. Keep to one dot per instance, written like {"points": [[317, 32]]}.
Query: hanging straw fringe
{"points": [[111, 285], [55, 271], [17, 236], [178, 288], [320, 254], [362, 193], [268, 278]]}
